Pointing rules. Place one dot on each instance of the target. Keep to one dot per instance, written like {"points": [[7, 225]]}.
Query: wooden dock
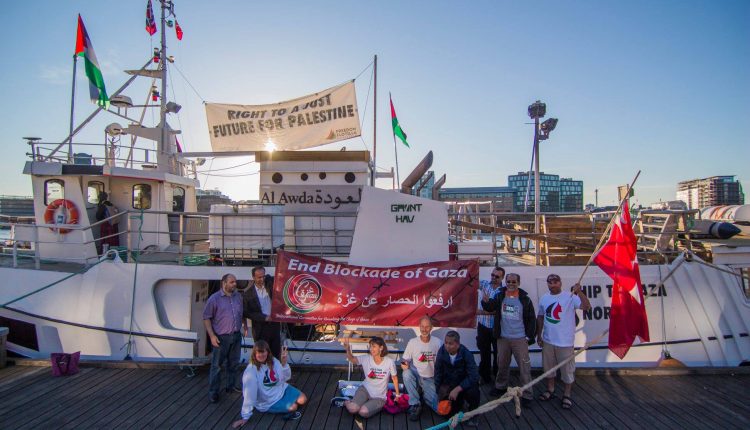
{"points": [[164, 398]]}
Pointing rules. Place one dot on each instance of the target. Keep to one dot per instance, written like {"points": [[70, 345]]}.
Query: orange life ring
{"points": [[72, 217]]}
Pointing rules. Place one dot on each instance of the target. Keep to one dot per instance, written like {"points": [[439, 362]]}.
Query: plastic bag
{"points": [[64, 364]]}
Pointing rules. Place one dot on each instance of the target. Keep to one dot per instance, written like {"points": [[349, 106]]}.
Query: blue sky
{"points": [[660, 86]]}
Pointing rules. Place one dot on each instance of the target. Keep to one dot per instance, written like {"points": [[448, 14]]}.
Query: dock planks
{"points": [[132, 398]]}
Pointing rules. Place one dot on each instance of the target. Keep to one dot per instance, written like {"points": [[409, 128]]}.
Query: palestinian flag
{"points": [[397, 130], [85, 49]]}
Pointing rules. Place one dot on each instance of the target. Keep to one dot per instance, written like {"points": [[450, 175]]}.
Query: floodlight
{"points": [[548, 125], [537, 110]]}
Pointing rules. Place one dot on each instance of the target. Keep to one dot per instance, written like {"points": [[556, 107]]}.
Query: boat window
{"points": [[178, 199], [142, 196], [95, 188], [53, 189], [745, 271]]}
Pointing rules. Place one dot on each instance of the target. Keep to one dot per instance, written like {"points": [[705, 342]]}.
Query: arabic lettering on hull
{"points": [[313, 199]]}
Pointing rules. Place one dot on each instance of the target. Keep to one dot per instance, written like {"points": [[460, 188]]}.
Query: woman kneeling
{"points": [[264, 386], [369, 398]]}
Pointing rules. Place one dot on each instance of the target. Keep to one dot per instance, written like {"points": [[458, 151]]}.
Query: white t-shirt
{"points": [[422, 355], [377, 375], [559, 318], [263, 387]]}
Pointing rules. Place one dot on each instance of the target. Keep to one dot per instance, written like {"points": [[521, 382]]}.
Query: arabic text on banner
{"points": [[324, 117], [314, 291]]}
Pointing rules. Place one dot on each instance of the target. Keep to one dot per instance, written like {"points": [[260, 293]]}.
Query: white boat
{"points": [[61, 292]]}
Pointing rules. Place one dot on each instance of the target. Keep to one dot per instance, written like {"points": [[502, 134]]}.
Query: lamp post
{"points": [[536, 111]]}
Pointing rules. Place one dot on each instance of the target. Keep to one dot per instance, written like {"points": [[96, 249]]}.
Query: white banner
{"points": [[324, 117]]}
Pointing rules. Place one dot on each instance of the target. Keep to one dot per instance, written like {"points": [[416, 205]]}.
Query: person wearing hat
{"points": [[556, 325]]}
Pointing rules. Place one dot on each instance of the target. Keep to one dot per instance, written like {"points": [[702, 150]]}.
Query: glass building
{"points": [[555, 194], [502, 198]]}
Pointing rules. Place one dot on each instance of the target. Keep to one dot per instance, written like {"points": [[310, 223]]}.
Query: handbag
{"points": [[395, 405], [64, 364]]}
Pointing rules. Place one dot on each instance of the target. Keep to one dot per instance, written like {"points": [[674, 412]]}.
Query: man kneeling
{"points": [[457, 376], [264, 386]]}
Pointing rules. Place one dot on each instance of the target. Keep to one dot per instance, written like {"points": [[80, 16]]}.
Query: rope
{"points": [[135, 280], [80, 272], [514, 393]]}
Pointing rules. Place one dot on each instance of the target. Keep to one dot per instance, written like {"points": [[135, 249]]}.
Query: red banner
{"points": [[315, 291]]}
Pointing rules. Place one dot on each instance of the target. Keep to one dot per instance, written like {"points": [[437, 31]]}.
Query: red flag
{"points": [[617, 258], [178, 30], [150, 24]]}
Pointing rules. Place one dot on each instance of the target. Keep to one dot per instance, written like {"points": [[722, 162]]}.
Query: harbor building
{"points": [[712, 191], [424, 185], [555, 194], [502, 198], [16, 206], [206, 198]]}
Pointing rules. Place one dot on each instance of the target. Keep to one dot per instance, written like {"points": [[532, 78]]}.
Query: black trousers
{"points": [[271, 333], [470, 396], [487, 353]]}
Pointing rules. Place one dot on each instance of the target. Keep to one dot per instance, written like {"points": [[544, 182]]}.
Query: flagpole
{"points": [[72, 108], [375, 122], [395, 146], [609, 227]]}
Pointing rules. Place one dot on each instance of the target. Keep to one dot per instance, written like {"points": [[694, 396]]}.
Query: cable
{"points": [[227, 168], [188, 82], [239, 175]]}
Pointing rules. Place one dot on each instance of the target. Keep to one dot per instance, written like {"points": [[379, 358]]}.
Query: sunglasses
{"points": [[551, 280]]}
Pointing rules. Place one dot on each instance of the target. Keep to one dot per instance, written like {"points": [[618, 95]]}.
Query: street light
{"points": [[541, 132]]}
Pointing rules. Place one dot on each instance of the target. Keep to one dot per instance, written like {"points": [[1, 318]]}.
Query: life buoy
{"points": [[71, 218]]}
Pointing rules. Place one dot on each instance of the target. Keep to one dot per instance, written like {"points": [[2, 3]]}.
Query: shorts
{"points": [[286, 401], [362, 398], [552, 355]]}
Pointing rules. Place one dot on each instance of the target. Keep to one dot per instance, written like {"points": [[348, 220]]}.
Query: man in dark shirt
{"points": [[222, 317], [457, 376], [257, 308]]}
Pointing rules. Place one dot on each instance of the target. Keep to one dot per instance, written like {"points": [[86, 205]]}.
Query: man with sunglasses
{"points": [[485, 323], [556, 327], [515, 330]]}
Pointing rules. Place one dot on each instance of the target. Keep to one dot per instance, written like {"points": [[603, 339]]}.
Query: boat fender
{"points": [[71, 218], [717, 229]]}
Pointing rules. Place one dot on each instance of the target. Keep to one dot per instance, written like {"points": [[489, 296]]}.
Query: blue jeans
{"points": [[412, 380], [229, 351]]}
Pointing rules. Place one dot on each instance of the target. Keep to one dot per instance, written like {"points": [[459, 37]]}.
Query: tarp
{"points": [[313, 120], [314, 291]]}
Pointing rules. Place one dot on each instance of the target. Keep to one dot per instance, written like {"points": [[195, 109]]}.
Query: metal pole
{"points": [[72, 105], [537, 192], [163, 109], [395, 146], [375, 122]]}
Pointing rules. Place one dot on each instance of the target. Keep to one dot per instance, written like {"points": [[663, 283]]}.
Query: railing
{"points": [[202, 238], [114, 154]]}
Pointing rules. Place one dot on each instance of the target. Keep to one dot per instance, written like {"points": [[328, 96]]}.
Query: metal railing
{"points": [[249, 238]]}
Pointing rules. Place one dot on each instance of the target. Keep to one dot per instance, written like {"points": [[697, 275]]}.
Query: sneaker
{"points": [[292, 416], [497, 392], [471, 423], [414, 412], [525, 403], [339, 401], [213, 398]]}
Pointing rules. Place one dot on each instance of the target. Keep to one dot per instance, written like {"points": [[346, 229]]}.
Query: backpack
{"points": [[396, 406]]}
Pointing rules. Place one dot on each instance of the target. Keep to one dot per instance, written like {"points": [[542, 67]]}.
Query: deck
{"points": [[161, 398]]}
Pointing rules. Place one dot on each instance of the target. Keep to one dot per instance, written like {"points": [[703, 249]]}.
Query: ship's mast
{"points": [[164, 157]]}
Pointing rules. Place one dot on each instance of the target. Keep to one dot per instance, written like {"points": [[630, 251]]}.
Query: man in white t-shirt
{"points": [[418, 365], [556, 325]]}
